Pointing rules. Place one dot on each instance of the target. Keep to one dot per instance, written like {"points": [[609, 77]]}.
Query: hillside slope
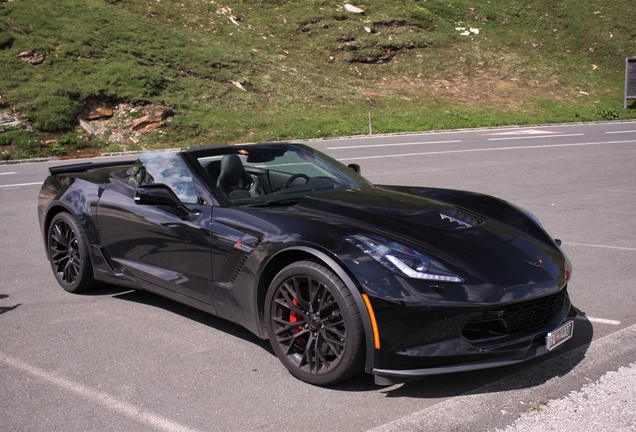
{"points": [[78, 77]]}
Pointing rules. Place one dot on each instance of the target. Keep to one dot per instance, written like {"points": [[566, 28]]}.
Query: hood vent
{"points": [[451, 219]]}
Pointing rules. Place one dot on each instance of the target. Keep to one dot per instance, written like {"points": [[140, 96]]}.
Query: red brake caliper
{"points": [[295, 317]]}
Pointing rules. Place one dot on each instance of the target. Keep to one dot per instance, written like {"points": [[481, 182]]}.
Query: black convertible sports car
{"points": [[341, 275]]}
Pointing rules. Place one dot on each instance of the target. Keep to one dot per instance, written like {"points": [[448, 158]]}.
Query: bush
{"points": [[58, 149], [52, 113], [5, 139], [72, 140], [608, 114], [423, 15], [18, 137]]}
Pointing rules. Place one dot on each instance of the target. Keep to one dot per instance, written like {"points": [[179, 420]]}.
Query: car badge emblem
{"points": [[242, 247], [538, 263]]}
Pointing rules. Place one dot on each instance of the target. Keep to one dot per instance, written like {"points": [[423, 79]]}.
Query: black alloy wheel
{"points": [[314, 325], [69, 255]]}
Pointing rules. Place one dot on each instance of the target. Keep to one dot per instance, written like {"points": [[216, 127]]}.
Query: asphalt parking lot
{"points": [[116, 359]]}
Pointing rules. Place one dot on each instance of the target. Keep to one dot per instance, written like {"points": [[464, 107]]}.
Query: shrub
{"points": [[73, 140], [58, 149], [52, 113]]}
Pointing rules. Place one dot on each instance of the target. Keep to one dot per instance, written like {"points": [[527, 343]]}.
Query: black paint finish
{"points": [[220, 254]]}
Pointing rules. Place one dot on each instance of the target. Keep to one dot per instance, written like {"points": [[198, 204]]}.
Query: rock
{"points": [[31, 57], [369, 59], [347, 47], [148, 122], [8, 121], [228, 13], [238, 85], [149, 127], [352, 9], [397, 24], [87, 127], [345, 38], [99, 113]]}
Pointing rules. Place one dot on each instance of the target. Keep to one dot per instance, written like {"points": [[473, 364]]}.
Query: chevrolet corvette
{"points": [[341, 275]]}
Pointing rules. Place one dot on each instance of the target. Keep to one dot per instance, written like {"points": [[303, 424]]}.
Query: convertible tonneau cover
{"points": [[85, 166]]}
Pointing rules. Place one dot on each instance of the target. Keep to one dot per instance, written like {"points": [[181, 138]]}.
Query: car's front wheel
{"points": [[69, 254], [314, 325]]}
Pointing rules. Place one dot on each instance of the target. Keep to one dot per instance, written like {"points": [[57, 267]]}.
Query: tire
{"points": [[69, 255], [314, 324]]}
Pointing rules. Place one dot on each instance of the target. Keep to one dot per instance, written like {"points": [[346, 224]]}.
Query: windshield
{"points": [[271, 173]]}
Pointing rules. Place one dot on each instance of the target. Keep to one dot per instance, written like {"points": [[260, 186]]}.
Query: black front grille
{"points": [[513, 318], [534, 313]]}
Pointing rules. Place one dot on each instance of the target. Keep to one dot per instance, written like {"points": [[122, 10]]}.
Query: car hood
{"points": [[413, 218]]}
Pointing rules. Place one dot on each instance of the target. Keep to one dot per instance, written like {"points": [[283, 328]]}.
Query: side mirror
{"points": [[354, 167], [160, 194]]}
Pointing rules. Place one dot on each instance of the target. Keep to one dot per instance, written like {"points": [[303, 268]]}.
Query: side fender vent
{"points": [[238, 269]]}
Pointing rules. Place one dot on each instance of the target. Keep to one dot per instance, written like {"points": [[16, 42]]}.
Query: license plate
{"points": [[559, 335]]}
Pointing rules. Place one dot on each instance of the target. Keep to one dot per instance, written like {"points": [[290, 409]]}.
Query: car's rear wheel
{"points": [[69, 255], [314, 325]]}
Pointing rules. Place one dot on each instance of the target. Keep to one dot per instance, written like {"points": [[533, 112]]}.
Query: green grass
{"points": [[533, 62]]}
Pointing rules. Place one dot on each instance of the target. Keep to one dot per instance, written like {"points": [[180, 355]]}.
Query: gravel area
{"points": [[606, 405]]}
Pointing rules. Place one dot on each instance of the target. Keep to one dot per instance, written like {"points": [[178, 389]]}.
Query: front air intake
{"points": [[514, 318]]}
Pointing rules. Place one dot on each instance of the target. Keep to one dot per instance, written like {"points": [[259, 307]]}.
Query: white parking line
{"points": [[20, 184], [603, 321], [488, 149], [525, 132], [393, 145], [533, 137], [7, 173], [600, 246], [134, 412]]}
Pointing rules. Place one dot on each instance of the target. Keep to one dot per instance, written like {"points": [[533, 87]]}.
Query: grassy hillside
{"points": [[257, 70]]}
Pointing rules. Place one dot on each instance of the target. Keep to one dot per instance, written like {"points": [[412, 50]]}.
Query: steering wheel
{"points": [[290, 180]]}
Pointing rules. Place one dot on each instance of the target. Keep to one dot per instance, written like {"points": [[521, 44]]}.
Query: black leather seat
{"points": [[234, 182]]}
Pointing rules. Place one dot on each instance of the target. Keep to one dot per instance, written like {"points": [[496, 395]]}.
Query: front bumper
{"points": [[434, 331], [394, 376]]}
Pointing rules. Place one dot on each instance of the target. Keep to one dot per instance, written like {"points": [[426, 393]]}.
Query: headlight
{"points": [[403, 260]]}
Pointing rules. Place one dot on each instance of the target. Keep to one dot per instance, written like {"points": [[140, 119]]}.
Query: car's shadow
{"points": [[185, 311], [523, 375], [5, 309]]}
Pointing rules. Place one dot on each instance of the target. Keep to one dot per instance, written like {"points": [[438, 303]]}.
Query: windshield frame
{"points": [[258, 160]]}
